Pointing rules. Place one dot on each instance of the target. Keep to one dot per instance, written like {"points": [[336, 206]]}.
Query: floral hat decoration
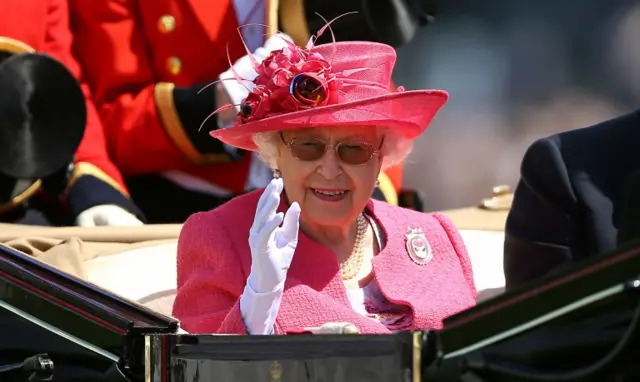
{"points": [[334, 84]]}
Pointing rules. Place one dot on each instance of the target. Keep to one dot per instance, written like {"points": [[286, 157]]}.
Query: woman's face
{"points": [[329, 190]]}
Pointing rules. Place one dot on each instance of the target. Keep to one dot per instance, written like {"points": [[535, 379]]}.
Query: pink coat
{"points": [[214, 261]]}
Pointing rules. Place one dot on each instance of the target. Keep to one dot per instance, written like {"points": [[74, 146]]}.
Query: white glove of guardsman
{"points": [[273, 239], [107, 215], [237, 90]]}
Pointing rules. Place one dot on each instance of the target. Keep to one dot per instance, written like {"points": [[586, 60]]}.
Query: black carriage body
{"points": [[92, 335], [294, 358], [573, 321]]}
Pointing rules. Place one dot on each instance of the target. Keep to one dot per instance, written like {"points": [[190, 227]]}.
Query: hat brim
{"points": [[12, 46], [42, 116], [14, 192], [408, 112]]}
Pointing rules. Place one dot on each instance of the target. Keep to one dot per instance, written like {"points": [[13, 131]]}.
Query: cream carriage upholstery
{"points": [[139, 263], [482, 229], [146, 275]]}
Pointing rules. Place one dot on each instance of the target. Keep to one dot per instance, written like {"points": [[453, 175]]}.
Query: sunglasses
{"points": [[309, 149]]}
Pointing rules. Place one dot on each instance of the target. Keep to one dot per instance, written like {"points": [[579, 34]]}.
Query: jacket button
{"points": [[174, 65], [166, 24]]}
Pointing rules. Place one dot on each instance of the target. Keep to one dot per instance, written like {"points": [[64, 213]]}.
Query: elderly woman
{"points": [[313, 248]]}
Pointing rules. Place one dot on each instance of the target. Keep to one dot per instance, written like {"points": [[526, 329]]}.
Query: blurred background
{"points": [[516, 70]]}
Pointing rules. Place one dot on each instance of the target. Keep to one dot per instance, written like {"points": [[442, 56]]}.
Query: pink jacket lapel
{"points": [[407, 282]]}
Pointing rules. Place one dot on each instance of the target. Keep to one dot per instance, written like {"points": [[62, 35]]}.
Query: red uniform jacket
{"points": [[43, 26], [135, 53]]}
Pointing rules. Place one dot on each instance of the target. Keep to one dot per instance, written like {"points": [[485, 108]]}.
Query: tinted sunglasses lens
{"points": [[308, 150], [355, 153]]}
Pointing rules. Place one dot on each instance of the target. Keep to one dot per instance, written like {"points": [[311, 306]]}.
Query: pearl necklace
{"points": [[351, 266]]}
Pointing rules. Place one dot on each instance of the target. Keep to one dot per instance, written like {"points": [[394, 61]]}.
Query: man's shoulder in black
{"points": [[568, 202]]}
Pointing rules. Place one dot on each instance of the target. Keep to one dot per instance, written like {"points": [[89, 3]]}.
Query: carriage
{"points": [[579, 325]]}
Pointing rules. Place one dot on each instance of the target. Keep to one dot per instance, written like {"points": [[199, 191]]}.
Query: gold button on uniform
{"points": [[174, 65], [166, 24]]}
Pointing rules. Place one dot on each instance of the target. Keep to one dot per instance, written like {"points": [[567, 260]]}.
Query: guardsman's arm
{"points": [[150, 126], [95, 180]]}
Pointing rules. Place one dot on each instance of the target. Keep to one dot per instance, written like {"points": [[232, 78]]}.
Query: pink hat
{"points": [[335, 84]]}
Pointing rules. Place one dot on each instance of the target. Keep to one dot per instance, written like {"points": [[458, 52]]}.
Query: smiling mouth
{"points": [[330, 195]]}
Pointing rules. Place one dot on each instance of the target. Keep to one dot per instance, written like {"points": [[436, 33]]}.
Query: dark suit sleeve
{"points": [[542, 227]]}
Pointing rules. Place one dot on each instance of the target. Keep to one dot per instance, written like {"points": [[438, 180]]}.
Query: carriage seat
{"points": [[482, 229], [139, 263], [151, 271]]}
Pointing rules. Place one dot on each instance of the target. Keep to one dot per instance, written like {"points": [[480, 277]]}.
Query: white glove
{"points": [[244, 68], [272, 249], [272, 246], [106, 214], [334, 328]]}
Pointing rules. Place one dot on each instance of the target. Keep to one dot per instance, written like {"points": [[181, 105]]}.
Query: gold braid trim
{"points": [[388, 189], [83, 168], [21, 197], [163, 94], [294, 20], [12, 46], [272, 17]]}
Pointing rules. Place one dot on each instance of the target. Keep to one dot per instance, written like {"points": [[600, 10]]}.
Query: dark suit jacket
{"points": [[568, 203]]}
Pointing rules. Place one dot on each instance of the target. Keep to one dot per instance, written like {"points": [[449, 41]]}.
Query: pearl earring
{"points": [[276, 174]]}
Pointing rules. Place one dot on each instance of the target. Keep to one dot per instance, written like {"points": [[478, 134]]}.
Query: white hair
{"points": [[394, 150]]}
